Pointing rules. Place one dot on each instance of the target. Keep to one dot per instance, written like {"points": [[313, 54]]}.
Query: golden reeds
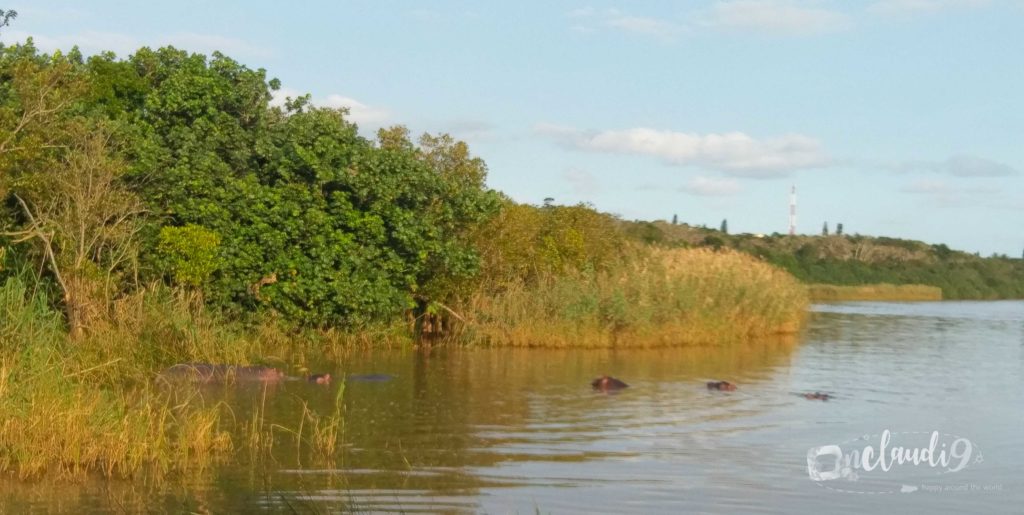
{"points": [[880, 292], [666, 297]]}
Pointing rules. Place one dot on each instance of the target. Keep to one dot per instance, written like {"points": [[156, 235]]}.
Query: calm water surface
{"points": [[520, 431]]}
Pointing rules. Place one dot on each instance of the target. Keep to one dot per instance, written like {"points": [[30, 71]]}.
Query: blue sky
{"points": [[899, 118]]}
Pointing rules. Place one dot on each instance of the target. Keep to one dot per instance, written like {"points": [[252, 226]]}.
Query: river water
{"points": [[521, 431]]}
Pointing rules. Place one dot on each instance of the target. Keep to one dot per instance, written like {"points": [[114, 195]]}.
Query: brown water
{"points": [[521, 431]]}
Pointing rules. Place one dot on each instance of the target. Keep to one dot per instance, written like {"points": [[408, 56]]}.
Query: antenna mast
{"points": [[792, 211]]}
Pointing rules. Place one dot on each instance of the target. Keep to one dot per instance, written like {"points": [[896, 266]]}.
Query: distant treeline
{"points": [[858, 260]]}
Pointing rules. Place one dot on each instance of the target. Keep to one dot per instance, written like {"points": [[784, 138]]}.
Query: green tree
{"points": [[725, 226], [7, 16], [352, 231], [824, 229], [189, 253]]}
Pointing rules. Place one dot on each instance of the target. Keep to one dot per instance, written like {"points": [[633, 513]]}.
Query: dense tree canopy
{"points": [[286, 208]]}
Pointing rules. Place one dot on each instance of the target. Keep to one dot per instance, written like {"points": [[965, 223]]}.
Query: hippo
{"points": [[724, 386], [370, 378], [607, 383], [817, 396], [208, 373], [319, 379]]}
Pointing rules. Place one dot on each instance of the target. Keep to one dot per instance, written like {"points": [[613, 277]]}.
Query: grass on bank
{"points": [[74, 407], [879, 292], [70, 407], [662, 298]]}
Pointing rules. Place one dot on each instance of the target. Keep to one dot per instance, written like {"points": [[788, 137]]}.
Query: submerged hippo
{"points": [[370, 378], [817, 396], [606, 383], [724, 386], [319, 379], [209, 373]]}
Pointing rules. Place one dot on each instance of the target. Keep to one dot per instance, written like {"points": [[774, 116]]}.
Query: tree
{"points": [[824, 229], [81, 223], [675, 219], [839, 229], [331, 228], [725, 226], [7, 16]]}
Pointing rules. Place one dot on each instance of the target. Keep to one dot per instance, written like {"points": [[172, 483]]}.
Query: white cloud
{"points": [[779, 17], [908, 7], [469, 129], [961, 166], [90, 42], [207, 43], [358, 112], [711, 187], [648, 26], [590, 20], [942, 194], [926, 187], [93, 42], [734, 152], [278, 98], [582, 181], [584, 12]]}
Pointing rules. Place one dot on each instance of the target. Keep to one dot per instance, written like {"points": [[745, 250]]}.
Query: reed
{"points": [[661, 298], [53, 423], [71, 408], [326, 430], [879, 292]]}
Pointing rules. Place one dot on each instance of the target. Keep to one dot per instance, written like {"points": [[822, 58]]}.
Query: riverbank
{"points": [[75, 406], [876, 292]]}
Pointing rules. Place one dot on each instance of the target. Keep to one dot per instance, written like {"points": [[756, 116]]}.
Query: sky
{"points": [[901, 118]]}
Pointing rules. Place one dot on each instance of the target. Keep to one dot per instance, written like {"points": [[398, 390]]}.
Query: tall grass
{"points": [[883, 292], [71, 407], [57, 416], [663, 297]]}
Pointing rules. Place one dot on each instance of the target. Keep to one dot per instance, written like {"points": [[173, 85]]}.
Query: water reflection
{"points": [[505, 430]]}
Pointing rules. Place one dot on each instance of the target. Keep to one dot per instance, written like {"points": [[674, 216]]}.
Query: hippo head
{"points": [[606, 383], [319, 379], [721, 385]]}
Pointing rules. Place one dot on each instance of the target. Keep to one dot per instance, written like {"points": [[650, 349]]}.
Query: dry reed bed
{"points": [[666, 297], [90, 406], [880, 292]]}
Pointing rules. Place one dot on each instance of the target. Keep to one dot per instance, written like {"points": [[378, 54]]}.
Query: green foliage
{"points": [[353, 231], [862, 260], [188, 254], [526, 243], [646, 232]]}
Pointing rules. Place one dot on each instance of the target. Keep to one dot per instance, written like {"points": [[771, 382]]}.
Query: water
{"points": [[521, 431]]}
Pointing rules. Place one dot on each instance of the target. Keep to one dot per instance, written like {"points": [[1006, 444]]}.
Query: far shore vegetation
{"points": [[857, 260], [886, 292], [159, 209]]}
